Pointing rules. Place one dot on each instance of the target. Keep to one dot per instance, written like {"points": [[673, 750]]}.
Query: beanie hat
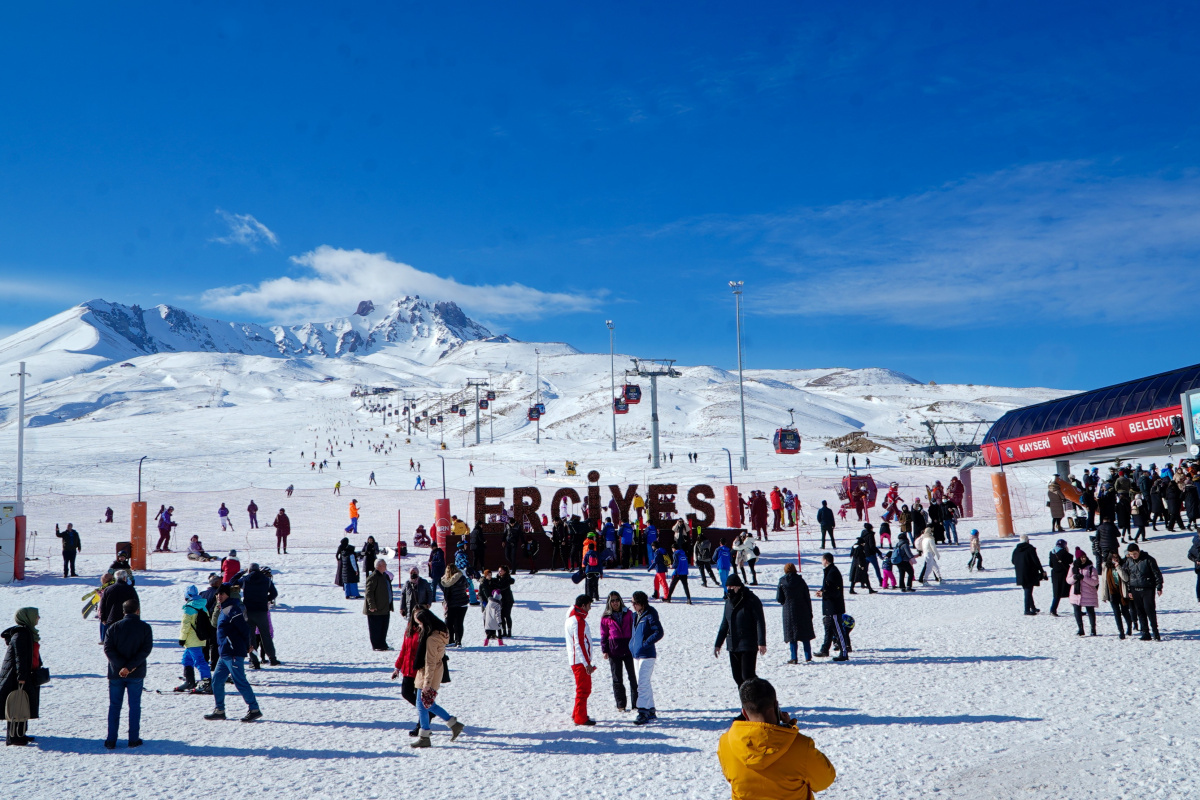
{"points": [[233, 553], [734, 581]]}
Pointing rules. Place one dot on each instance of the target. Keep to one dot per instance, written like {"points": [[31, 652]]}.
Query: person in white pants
{"points": [[647, 631]]}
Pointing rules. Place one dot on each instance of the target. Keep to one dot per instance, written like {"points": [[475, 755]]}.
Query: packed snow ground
{"points": [[951, 691]]}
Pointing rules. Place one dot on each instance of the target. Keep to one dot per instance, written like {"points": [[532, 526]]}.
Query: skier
{"points": [[194, 632], [290, 489], [337, 489], [579, 654], [165, 524], [470, 468], [196, 551], [223, 515], [371, 480]]}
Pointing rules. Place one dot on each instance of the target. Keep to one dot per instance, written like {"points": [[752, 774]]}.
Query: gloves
{"points": [[428, 696], [183, 643]]}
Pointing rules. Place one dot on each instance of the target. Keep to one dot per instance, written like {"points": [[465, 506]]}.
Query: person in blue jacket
{"points": [[660, 564], [611, 541], [626, 544], [680, 574], [651, 542], [723, 558], [647, 631], [233, 643]]}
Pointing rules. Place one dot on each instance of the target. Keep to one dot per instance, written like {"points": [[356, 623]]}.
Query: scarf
{"points": [[27, 617]]}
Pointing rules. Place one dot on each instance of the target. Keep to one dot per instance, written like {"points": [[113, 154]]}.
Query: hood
{"points": [[195, 606], [9, 633], [758, 745], [450, 580]]}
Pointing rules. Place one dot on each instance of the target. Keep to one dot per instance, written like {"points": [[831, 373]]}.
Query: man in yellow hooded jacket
{"points": [[765, 757]]}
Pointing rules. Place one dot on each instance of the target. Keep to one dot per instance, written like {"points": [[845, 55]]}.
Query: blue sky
{"points": [[981, 192]]}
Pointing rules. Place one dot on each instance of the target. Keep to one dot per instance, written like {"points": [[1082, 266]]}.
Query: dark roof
{"points": [[1133, 397]]}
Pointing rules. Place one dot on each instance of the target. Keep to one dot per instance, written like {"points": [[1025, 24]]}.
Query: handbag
{"points": [[16, 707], [41, 676], [445, 669]]}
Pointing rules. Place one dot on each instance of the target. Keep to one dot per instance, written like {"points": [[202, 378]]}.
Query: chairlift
{"points": [[787, 440], [620, 405], [632, 393]]}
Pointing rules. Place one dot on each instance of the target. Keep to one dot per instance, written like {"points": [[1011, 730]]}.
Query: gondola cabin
{"points": [[454, 408], [534, 414], [541, 409], [491, 395], [462, 412], [483, 405], [620, 406], [787, 441], [860, 485], [632, 393], [439, 418]]}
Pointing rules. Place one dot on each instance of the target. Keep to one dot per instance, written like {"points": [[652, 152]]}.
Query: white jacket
{"points": [[744, 552], [928, 546], [579, 640], [491, 615]]}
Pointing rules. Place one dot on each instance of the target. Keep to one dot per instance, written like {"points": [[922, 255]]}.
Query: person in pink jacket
{"points": [[1085, 584]]}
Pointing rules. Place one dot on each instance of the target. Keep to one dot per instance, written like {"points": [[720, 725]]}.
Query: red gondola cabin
{"points": [[483, 404], [620, 406], [787, 441], [534, 414], [632, 393]]}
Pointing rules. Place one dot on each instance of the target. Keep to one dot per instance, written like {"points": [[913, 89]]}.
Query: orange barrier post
{"points": [[441, 514], [733, 508], [137, 534], [1004, 522]]}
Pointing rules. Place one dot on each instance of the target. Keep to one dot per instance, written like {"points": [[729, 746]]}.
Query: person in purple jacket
{"points": [[616, 628]]}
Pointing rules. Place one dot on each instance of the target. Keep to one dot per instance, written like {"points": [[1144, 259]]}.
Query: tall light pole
{"points": [[737, 293], [20, 373], [612, 376], [443, 458], [537, 383]]}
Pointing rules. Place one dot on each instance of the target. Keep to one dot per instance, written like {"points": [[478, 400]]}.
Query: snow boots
{"points": [[204, 687], [456, 727], [189, 680], [422, 740]]}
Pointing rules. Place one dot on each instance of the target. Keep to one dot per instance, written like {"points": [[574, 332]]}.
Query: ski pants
{"points": [[194, 657], [618, 665], [643, 692], [592, 581], [660, 586], [743, 665], [583, 689], [888, 578], [164, 538], [976, 561], [834, 629]]}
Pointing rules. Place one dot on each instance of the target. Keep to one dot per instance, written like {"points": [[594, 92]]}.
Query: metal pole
{"points": [[443, 458], [729, 455], [476, 413], [737, 292], [537, 384], [140, 460], [612, 376], [20, 430], [654, 418]]}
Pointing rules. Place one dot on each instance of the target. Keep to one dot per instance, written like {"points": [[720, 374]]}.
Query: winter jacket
{"points": [[70, 540], [455, 588], [1114, 585], [112, 602], [1106, 538], [347, 564], [745, 552], [825, 517], [578, 637], [772, 762], [616, 629], [437, 563], [492, 615], [704, 551], [187, 626], [222, 512], [902, 553], [1193, 553], [233, 631], [377, 599], [504, 583], [927, 546], [21, 658], [626, 535], [1084, 591], [258, 590], [681, 563], [647, 632], [353, 510], [723, 558], [1060, 562], [369, 555], [430, 669], [408, 651], [742, 623], [793, 595], [1028, 567], [833, 601], [282, 524], [127, 645], [858, 564], [229, 568], [1144, 574], [1054, 499], [661, 560], [413, 595]]}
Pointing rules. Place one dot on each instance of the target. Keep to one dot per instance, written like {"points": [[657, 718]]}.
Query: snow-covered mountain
{"points": [[97, 333]]}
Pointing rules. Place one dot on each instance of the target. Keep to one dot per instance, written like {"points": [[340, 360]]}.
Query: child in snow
{"points": [[192, 640], [976, 556], [195, 551], [491, 619], [223, 514], [888, 576], [885, 532]]}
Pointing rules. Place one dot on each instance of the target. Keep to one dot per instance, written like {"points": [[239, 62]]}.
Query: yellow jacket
{"points": [[772, 762], [461, 529], [187, 632]]}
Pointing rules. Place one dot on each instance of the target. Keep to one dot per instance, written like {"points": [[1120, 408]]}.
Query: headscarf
{"points": [[28, 616]]}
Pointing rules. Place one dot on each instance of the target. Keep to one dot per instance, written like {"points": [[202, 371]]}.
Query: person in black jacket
{"points": [[455, 601], [1193, 555], [416, 594], [1029, 571], [258, 592], [1059, 561], [70, 548], [19, 670], [704, 550], [559, 542], [504, 582], [478, 546], [514, 538], [793, 595], [233, 643], [112, 602], [127, 645], [745, 627], [369, 555], [825, 520], [833, 606], [1145, 581]]}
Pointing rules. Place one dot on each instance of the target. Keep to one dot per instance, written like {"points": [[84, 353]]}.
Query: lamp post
{"points": [[729, 455], [612, 376], [443, 458], [140, 460], [537, 383], [20, 373], [737, 293]]}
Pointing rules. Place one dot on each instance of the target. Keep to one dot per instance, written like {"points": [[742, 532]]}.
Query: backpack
{"points": [[204, 628], [898, 557]]}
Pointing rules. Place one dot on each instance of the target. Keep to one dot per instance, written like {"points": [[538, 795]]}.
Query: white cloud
{"points": [[1047, 241], [245, 230], [341, 278]]}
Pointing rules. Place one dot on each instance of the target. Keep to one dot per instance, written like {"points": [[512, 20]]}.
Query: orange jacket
{"points": [[353, 510], [772, 762]]}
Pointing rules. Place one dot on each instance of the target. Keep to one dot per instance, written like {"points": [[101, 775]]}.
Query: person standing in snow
{"points": [[858, 568], [747, 556], [504, 582], [579, 655], [71, 546], [1145, 581], [928, 548], [793, 595], [415, 595], [283, 529], [455, 600], [369, 554], [1114, 589], [194, 633], [976, 561], [353, 526], [127, 645], [223, 515], [723, 558], [833, 606], [165, 524], [431, 670], [377, 605], [22, 661], [258, 592], [252, 510], [1084, 583], [744, 626], [647, 632], [492, 606], [371, 480], [347, 574], [826, 521], [679, 574], [1029, 572], [763, 755], [616, 629], [1059, 562], [233, 643]]}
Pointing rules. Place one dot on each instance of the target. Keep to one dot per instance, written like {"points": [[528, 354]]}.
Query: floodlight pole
{"points": [[537, 385], [729, 456], [140, 460], [737, 293], [20, 373]]}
